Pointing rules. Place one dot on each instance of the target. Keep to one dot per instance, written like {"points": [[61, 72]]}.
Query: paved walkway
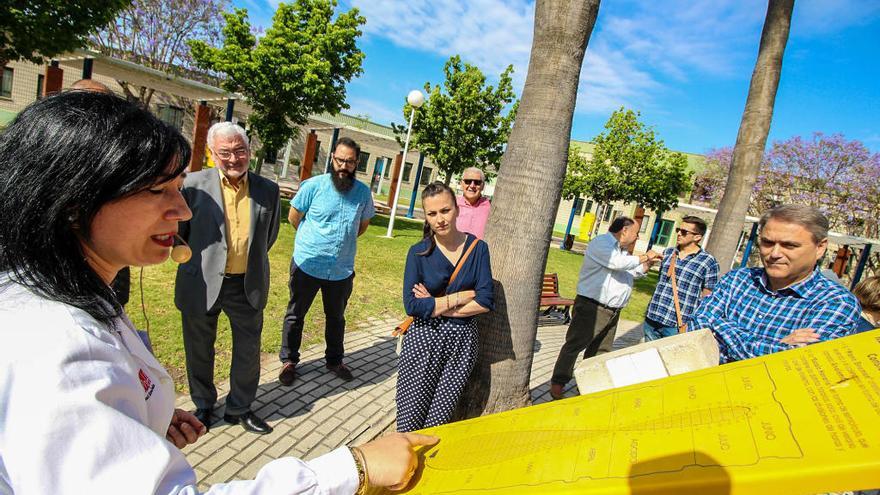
{"points": [[321, 412]]}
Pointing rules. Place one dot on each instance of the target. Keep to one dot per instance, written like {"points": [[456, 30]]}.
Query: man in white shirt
{"points": [[604, 286]]}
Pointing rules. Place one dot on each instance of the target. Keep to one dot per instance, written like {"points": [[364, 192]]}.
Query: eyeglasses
{"points": [[226, 155], [476, 182], [686, 232], [347, 163]]}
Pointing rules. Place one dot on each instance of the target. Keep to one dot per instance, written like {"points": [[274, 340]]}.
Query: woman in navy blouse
{"points": [[440, 348]]}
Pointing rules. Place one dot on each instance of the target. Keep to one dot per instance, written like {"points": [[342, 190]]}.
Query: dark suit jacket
{"points": [[199, 279]]}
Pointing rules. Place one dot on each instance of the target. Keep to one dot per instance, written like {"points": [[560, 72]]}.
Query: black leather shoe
{"points": [[204, 415], [288, 374], [342, 371], [250, 422]]}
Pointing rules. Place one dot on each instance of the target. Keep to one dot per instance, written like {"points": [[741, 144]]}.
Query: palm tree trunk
{"points": [[752, 138], [524, 205]]}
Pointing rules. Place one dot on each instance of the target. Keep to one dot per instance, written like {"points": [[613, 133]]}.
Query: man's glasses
{"points": [[476, 182], [226, 155], [686, 232], [347, 163]]}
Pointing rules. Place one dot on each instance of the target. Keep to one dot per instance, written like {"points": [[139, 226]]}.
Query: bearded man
{"points": [[329, 213]]}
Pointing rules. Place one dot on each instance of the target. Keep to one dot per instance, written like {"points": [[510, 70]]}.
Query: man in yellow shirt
{"points": [[234, 224]]}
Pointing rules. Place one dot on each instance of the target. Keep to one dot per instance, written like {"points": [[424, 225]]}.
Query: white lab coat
{"points": [[85, 409]]}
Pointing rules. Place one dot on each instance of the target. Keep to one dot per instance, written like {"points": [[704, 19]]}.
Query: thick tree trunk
{"points": [[524, 205], [752, 138]]}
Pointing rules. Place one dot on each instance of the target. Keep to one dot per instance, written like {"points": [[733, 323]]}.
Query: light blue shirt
{"points": [[326, 240]]}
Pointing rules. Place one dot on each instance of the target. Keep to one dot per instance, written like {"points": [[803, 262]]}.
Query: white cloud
{"points": [[638, 49]]}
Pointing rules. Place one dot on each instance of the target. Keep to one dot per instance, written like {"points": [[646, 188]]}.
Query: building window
{"points": [[40, 79], [589, 207], [171, 115], [388, 165], [645, 220], [607, 216], [665, 233], [578, 204], [363, 158], [426, 176], [407, 170], [6, 82]]}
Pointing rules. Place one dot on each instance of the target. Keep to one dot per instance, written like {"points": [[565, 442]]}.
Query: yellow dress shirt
{"points": [[237, 207]]}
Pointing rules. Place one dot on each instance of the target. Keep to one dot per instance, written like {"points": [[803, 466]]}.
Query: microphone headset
{"points": [[180, 253]]}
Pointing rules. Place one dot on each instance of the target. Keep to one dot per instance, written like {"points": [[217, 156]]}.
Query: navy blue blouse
{"points": [[433, 271]]}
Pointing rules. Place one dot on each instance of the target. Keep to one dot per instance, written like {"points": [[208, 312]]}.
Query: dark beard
{"points": [[342, 184]]}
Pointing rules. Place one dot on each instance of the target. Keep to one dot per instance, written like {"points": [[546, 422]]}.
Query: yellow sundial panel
{"points": [[801, 421]]}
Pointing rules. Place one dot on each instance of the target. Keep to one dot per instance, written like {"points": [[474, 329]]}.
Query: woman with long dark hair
{"points": [[440, 348], [90, 184]]}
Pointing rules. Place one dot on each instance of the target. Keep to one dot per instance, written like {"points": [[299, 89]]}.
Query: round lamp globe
{"points": [[415, 98]]}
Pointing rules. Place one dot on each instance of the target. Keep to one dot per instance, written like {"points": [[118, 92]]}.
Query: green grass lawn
{"points": [[377, 292]]}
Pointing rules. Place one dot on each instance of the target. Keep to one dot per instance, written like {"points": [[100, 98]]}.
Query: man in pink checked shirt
{"points": [[473, 208]]}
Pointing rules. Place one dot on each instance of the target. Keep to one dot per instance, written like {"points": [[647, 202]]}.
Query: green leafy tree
{"points": [[629, 164], [299, 67], [40, 29], [463, 125]]}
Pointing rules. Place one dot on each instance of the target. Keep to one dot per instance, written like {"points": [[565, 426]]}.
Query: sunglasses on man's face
{"points": [[686, 232], [476, 182]]}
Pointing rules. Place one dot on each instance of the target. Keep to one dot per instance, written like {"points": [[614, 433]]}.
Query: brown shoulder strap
{"points": [[671, 273], [461, 261]]}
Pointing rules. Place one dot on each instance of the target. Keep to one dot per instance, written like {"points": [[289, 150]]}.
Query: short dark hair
{"points": [[698, 222], [806, 216], [619, 223], [63, 158], [347, 141]]}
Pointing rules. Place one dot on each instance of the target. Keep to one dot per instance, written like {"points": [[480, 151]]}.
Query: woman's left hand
{"points": [[420, 291], [184, 429]]}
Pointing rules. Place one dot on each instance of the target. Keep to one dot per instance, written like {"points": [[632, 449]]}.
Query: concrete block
{"points": [[680, 353]]}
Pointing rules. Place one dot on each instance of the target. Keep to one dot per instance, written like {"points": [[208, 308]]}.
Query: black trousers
{"points": [[591, 331], [199, 335], [303, 289]]}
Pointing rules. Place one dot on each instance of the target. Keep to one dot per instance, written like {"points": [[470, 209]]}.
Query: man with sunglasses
{"points": [[329, 213], [696, 273], [473, 208]]}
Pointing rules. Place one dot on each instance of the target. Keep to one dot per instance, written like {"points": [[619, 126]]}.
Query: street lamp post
{"points": [[415, 98]]}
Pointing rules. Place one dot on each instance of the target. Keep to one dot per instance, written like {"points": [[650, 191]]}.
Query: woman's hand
{"points": [[420, 291], [184, 429], [391, 461], [465, 296]]}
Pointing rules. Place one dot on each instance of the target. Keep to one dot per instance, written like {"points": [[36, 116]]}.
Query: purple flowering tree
{"points": [[154, 33], [840, 177]]}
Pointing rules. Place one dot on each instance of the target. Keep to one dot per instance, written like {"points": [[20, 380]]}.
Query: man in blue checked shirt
{"points": [[786, 304], [696, 273], [329, 213]]}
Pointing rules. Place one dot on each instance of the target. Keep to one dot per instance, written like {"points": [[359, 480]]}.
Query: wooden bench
{"points": [[551, 299], [381, 208]]}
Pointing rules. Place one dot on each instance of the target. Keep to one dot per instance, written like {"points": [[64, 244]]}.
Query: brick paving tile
{"points": [[250, 470], [252, 451], [214, 461], [224, 473]]}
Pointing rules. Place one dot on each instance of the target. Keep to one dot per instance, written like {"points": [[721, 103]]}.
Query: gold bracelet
{"points": [[360, 464], [447, 302]]}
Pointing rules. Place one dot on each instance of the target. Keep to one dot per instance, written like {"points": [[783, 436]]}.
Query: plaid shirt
{"points": [[749, 319], [696, 272]]}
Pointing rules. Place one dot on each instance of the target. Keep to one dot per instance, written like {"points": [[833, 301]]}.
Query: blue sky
{"points": [[684, 65]]}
